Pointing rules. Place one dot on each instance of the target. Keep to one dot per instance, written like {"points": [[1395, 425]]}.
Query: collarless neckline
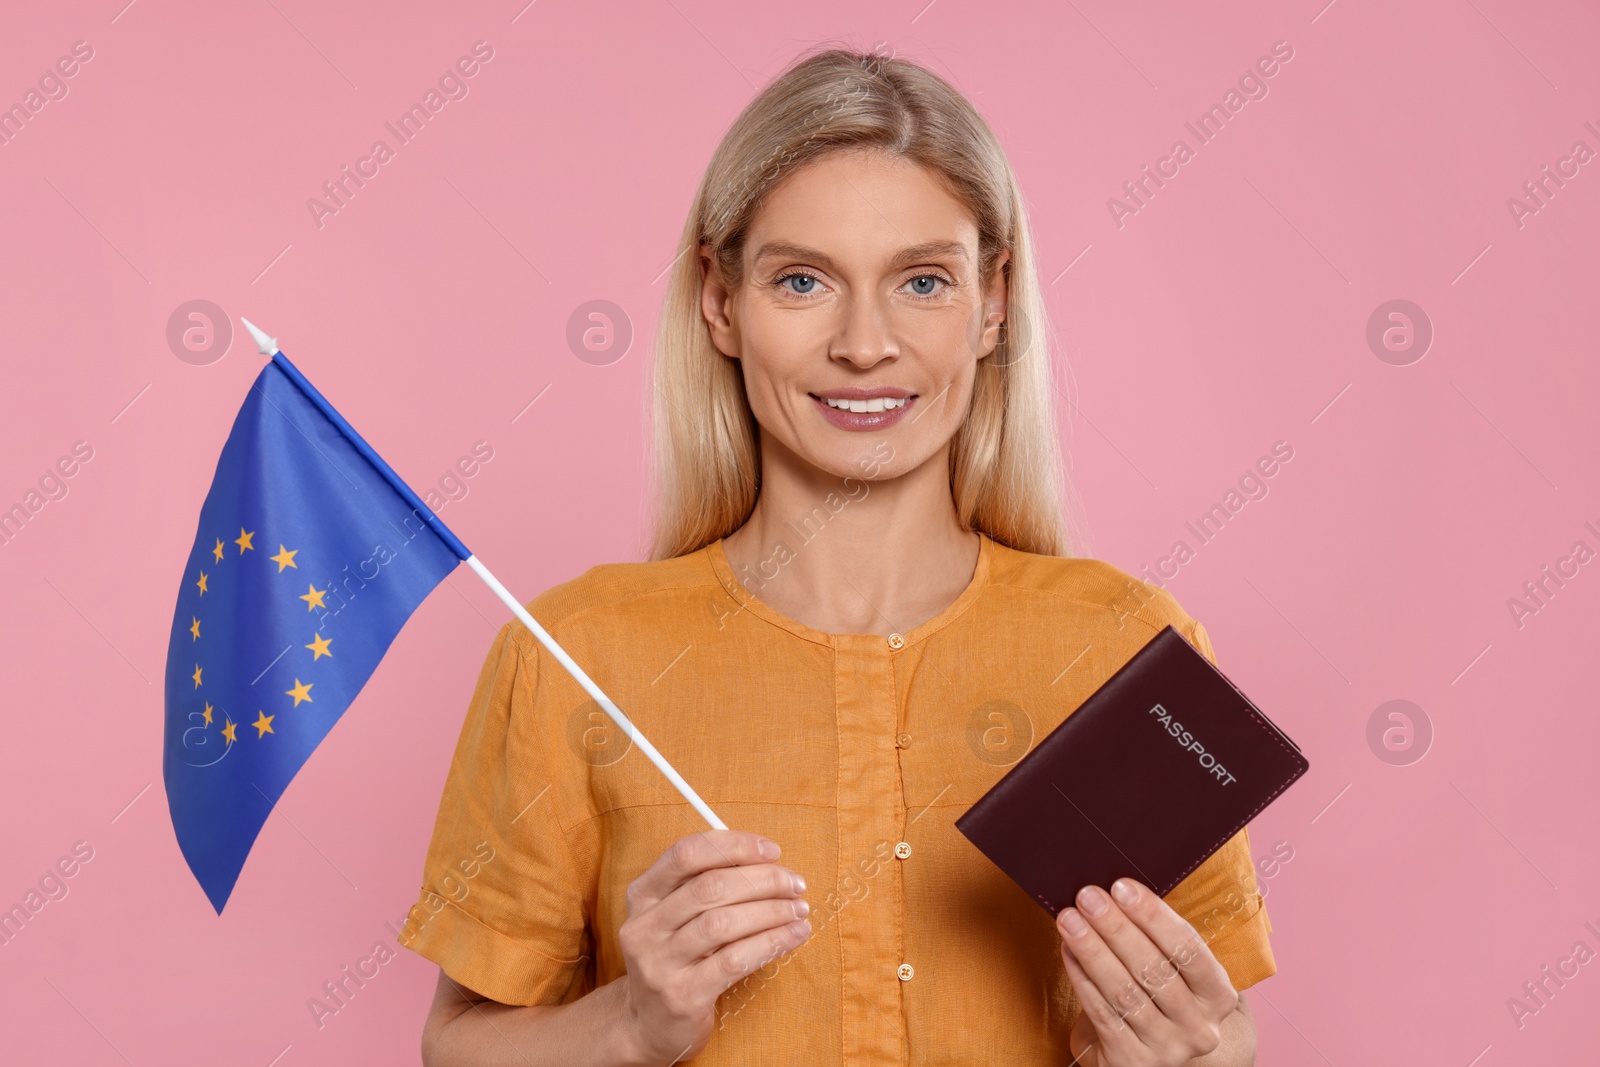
{"points": [[717, 555]]}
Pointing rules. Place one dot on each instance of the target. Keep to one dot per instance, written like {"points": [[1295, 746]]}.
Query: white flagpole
{"points": [[269, 347], [594, 690]]}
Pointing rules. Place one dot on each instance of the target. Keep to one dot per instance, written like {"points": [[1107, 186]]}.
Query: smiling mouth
{"points": [[878, 403]]}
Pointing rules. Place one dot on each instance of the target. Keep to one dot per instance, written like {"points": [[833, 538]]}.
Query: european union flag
{"points": [[310, 556]]}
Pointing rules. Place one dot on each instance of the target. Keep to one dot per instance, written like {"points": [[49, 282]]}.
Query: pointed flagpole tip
{"points": [[267, 345]]}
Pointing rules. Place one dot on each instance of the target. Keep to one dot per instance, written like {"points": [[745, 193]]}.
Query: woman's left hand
{"points": [[1173, 1012]]}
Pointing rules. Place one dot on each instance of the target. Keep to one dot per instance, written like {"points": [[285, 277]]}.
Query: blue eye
{"points": [[801, 276], [921, 286]]}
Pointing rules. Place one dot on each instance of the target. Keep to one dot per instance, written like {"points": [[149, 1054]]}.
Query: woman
{"points": [[859, 614]]}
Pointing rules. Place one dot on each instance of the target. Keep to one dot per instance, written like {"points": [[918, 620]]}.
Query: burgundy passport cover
{"points": [[1146, 779]]}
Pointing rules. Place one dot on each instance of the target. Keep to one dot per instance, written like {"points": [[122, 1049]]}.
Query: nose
{"points": [[865, 336]]}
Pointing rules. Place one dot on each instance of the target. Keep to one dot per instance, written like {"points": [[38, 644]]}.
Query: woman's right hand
{"points": [[713, 909]]}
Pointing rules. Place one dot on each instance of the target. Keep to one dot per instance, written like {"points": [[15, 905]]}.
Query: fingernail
{"points": [[1126, 892], [799, 883], [800, 928], [769, 849], [1092, 900], [1073, 922], [801, 909]]}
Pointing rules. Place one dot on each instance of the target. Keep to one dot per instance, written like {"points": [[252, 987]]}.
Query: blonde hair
{"points": [[1006, 474]]}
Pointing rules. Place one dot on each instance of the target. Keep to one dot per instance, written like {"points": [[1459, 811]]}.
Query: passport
{"points": [[1147, 779]]}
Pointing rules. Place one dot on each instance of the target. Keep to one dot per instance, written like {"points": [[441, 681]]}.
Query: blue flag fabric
{"points": [[310, 556]]}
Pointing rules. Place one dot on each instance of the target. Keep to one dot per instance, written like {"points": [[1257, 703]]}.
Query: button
{"points": [[903, 741], [906, 971], [903, 850], [896, 641]]}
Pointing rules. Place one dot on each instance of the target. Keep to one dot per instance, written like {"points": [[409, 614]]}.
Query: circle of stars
{"points": [[319, 647]]}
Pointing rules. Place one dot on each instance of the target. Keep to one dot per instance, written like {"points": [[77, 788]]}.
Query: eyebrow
{"points": [[916, 253]]}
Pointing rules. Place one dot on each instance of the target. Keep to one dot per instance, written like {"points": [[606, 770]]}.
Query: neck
{"points": [[845, 555]]}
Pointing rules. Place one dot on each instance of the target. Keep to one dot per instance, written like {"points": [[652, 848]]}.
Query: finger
{"points": [[1140, 956], [716, 927], [1112, 1035], [693, 854], [1087, 936], [723, 886], [711, 976], [1184, 977]]}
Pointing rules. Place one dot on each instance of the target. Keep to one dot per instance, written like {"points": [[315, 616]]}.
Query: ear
{"points": [[996, 305], [716, 305]]}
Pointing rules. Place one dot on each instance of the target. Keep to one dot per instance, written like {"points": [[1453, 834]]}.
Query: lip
{"points": [[865, 393], [864, 421]]}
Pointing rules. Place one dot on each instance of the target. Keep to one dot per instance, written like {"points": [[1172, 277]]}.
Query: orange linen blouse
{"points": [[855, 752]]}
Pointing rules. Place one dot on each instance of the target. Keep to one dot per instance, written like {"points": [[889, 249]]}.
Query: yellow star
{"points": [[263, 723], [285, 558], [196, 676], [301, 691], [202, 583], [243, 540], [227, 731], [195, 629], [218, 550], [208, 714], [313, 599], [319, 646]]}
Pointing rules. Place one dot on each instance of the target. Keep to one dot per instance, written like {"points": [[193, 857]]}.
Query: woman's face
{"points": [[860, 284]]}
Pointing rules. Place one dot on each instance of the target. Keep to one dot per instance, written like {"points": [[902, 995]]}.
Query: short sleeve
{"points": [[502, 903], [1221, 899]]}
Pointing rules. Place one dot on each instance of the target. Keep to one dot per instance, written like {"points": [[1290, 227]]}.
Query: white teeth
{"points": [[882, 403]]}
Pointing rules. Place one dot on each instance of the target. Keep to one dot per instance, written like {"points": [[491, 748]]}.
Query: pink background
{"points": [[1229, 313]]}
